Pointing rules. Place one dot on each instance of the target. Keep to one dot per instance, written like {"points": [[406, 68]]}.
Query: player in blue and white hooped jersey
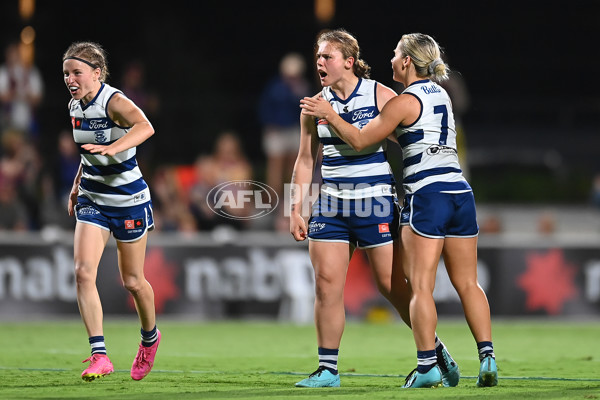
{"points": [[109, 195], [356, 207], [438, 216]]}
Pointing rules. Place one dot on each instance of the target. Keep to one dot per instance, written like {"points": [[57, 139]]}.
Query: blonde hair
{"points": [[426, 56], [348, 46], [92, 54]]}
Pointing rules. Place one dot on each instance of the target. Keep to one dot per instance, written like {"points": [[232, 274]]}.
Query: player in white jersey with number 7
{"points": [[438, 216], [109, 195]]}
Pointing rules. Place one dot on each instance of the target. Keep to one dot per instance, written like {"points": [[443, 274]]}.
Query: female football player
{"points": [[109, 195]]}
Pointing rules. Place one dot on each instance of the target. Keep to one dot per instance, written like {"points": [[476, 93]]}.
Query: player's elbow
{"points": [[357, 146], [149, 130]]}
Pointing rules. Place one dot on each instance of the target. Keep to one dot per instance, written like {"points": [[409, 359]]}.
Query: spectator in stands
{"points": [[171, 207], [278, 115], [13, 215], [135, 87], [21, 91], [227, 163], [20, 164], [67, 164]]}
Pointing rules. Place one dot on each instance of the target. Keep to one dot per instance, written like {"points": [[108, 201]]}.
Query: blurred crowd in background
{"points": [[528, 149], [35, 184]]}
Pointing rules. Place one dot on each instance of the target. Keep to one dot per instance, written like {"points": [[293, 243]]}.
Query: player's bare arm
{"points": [[302, 175], [385, 94], [124, 113], [321, 108]]}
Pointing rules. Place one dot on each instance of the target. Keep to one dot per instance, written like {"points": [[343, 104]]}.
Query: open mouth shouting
{"points": [[322, 75]]}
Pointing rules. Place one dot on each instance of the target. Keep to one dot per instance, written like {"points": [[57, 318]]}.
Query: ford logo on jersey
{"points": [[98, 124], [242, 200], [363, 113]]}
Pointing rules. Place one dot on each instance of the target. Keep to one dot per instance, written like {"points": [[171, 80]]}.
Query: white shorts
{"points": [[281, 141]]}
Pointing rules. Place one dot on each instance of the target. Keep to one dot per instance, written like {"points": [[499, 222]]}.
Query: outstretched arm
{"points": [[374, 132]]}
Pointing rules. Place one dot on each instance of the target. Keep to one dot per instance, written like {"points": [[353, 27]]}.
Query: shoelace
{"points": [[141, 356], [91, 359], [318, 371], [441, 360], [444, 363], [409, 376]]}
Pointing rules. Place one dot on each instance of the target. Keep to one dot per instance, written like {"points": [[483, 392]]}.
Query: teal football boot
{"points": [[449, 368], [322, 377], [430, 379], [488, 372]]}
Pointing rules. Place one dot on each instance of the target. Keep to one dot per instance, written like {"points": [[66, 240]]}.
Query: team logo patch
{"points": [[134, 223], [139, 197], [100, 137], [384, 228]]}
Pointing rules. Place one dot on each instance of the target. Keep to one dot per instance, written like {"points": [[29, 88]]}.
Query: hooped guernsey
{"points": [[430, 158], [114, 184], [347, 173]]}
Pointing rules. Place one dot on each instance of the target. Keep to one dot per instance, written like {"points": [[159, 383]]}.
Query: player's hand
{"points": [[98, 148], [316, 107], [298, 227]]}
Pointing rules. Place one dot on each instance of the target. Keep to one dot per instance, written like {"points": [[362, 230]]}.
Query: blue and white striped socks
{"points": [[485, 349], [328, 358], [149, 337], [97, 344], [426, 360]]}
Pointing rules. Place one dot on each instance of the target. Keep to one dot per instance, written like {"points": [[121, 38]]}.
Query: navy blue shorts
{"points": [[128, 226], [363, 223], [440, 215]]}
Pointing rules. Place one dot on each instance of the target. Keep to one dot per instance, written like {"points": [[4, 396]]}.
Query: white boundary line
{"points": [[349, 374]]}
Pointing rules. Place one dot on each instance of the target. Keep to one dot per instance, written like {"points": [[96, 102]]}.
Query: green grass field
{"points": [[263, 360]]}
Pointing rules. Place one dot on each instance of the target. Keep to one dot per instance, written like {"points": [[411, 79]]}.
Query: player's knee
{"points": [[327, 290], [84, 272], [466, 286], [421, 283], [133, 284]]}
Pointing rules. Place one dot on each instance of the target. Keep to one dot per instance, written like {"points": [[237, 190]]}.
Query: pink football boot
{"points": [[144, 360], [100, 366]]}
